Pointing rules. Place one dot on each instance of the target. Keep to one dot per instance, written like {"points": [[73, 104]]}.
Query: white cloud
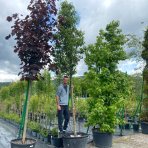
{"points": [[95, 14], [7, 77], [107, 3], [127, 66], [81, 68], [131, 66]]}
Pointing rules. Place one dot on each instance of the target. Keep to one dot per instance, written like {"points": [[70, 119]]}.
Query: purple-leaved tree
{"points": [[34, 35]]}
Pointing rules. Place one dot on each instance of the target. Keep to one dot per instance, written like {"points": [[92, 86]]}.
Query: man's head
{"points": [[65, 80]]}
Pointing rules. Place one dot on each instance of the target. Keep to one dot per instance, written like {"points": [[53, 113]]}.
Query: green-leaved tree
{"points": [[107, 86], [68, 49]]}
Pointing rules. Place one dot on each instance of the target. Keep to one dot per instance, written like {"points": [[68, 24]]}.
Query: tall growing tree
{"points": [[32, 35], [144, 116], [107, 86], [68, 49]]}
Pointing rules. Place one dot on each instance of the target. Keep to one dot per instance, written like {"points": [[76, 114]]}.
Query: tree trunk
{"points": [[27, 106], [72, 101], [74, 112]]}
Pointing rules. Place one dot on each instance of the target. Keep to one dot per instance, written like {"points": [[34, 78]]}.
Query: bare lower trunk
{"points": [[74, 112], [27, 106]]}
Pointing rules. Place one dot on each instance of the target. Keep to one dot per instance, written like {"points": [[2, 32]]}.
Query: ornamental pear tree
{"points": [[70, 40], [34, 35]]}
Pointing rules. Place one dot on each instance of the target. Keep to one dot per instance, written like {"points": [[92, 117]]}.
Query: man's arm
{"points": [[57, 98], [57, 103]]}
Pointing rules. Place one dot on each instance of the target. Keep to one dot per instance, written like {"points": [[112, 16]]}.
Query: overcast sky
{"points": [[94, 15]]}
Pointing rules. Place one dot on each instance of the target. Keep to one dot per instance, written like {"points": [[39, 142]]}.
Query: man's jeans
{"points": [[63, 112]]}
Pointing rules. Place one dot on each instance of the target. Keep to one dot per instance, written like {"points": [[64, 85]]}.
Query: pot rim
{"points": [[14, 140], [83, 135]]}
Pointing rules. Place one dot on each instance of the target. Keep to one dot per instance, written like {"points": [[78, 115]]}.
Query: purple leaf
{"points": [[7, 37], [9, 18]]}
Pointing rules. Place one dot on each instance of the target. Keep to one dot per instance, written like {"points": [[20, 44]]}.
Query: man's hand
{"points": [[58, 107]]}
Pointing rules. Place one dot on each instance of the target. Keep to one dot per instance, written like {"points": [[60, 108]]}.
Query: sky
{"points": [[94, 15]]}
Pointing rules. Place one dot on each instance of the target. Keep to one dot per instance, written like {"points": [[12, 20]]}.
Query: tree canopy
{"points": [[70, 40], [32, 35]]}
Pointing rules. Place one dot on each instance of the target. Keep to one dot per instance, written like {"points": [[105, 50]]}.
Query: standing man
{"points": [[62, 97]]}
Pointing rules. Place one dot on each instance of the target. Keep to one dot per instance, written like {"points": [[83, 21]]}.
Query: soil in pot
{"points": [[71, 141], [29, 143], [102, 140]]}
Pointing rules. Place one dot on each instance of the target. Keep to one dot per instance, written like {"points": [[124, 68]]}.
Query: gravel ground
{"points": [[138, 140], [129, 140]]}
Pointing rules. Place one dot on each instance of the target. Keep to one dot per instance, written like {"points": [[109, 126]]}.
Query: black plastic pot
{"points": [[57, 142], [38, 135], [34, 134], [29, 131], [102, 140], [121, 126], [17, 143], [127, 126], [45, 139], [144, 127], [81, 119], [41, 138], [75, 142], [135, 127], [49, 137]]}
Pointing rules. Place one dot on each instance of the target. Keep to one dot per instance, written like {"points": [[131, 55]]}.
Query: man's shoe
{"points": [[64, 131], [61, 134]]}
